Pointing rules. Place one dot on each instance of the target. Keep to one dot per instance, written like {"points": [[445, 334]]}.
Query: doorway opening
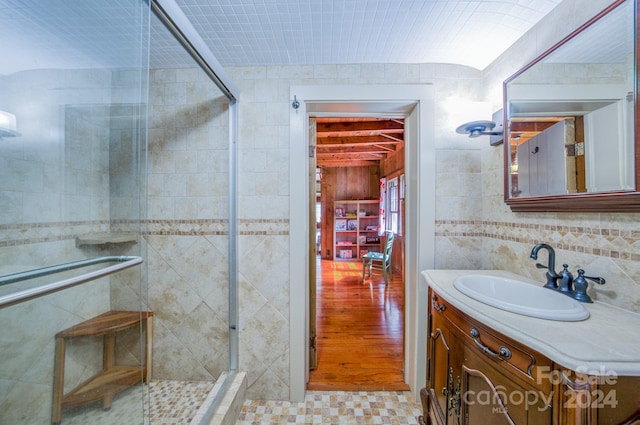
{"points": [[414, 103], [356, 320]]}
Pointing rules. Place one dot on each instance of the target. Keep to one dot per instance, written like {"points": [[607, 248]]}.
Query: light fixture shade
{"points": [[476, 128], [485, 128], [8, 125]]}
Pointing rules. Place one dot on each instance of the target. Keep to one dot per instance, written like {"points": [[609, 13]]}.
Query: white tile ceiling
{"points": [[609, 40], [281, 32], [38, 34], [64, 33]]}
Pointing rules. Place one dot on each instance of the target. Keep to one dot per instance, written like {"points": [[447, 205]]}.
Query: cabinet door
{"points": [[574, 399], [491, 398], [441, 374]]}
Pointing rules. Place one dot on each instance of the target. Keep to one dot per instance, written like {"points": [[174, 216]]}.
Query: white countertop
{"points": [[607, 342]]}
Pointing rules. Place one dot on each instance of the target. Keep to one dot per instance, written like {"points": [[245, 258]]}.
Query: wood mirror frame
{"points": [[616, 201]]}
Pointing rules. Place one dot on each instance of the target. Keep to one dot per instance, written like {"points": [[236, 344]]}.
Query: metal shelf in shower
{"points": [[121, 262]]}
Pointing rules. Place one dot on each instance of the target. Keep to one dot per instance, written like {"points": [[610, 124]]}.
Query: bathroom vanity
{"points": [[487, 365]]}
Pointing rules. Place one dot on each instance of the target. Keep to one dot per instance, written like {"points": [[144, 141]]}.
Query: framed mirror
{"points": [[571, 133]]}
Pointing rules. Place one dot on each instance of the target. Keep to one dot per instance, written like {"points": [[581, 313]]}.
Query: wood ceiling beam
{"points": [[389, 136], [331, 127], [355, 150], [357, 133], [349, 119], [356, 141], [386, 148], [364, 155], [348, 163], [356, 147], [530, 126]]}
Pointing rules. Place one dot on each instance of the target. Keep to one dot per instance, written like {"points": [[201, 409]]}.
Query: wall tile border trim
{"points": [[22, 226], [33, 233], [604, 242]]}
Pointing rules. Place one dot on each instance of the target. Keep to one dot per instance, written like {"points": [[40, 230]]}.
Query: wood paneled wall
{"points": [[342, 183], [394, 165]]}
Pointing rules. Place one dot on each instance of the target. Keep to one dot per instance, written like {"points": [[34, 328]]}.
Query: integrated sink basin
{"points": [[521, 297]]}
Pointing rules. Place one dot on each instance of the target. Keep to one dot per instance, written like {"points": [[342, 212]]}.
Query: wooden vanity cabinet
{"points": [[477, 376], [440, 364], [605, 400], [466, 385], [493, 397]]}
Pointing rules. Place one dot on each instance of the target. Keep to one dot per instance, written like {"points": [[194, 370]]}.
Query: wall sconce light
{"points": [[7, 125], [484, 128]]}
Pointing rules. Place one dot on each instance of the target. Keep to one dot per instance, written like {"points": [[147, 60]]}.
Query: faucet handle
{"points": [[580, 286], [598, 280], [541, 266]]}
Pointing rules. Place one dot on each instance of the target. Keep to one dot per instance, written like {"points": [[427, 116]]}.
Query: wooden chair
{"points": [[380, 261]]}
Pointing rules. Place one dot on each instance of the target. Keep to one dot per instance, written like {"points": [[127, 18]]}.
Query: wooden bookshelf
{"points": [[355, 229]]}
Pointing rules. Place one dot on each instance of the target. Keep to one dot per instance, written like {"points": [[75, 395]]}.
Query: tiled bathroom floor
{"points": [[335, 407], [176, 403]]}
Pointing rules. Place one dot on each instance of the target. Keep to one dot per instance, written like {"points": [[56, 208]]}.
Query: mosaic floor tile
{"points": [[177, 402], [335, 407], [170, 403]]}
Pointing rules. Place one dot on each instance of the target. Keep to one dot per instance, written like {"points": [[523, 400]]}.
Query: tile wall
{"points": [[54, 185], [474, 228], [264, 201], [187, 228], [603, 244]]}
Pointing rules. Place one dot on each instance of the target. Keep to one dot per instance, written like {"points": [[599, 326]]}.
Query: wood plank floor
{"points": [[360, 330]]}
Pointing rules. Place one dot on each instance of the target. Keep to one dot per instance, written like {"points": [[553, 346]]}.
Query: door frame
{"points": [[415, 103]]}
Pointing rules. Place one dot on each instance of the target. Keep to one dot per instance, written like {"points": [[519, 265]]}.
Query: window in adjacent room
{"points": [[393, 206]]}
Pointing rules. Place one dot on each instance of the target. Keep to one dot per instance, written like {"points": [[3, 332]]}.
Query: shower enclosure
{"points": [[117, 216]]}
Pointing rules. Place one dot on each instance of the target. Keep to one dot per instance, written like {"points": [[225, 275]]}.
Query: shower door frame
{"points": [[170, 14]]}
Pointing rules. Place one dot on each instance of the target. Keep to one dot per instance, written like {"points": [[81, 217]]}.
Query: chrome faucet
{"points": [[552, 276]]}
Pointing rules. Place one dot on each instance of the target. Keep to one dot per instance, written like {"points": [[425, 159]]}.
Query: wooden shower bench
{"points": [[112, 378]]}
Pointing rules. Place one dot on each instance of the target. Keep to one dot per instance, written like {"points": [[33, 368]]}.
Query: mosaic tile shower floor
{"points": [[335, 407], [171, 403]]}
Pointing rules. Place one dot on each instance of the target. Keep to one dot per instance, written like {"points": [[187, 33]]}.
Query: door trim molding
{"points": [[414, 102]]}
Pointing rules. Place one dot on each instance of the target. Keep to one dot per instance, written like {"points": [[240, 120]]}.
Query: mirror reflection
{"points": [[571, 114]]}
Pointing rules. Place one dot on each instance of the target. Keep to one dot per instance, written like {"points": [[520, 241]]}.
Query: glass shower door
{"points": [[73, 82]]}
